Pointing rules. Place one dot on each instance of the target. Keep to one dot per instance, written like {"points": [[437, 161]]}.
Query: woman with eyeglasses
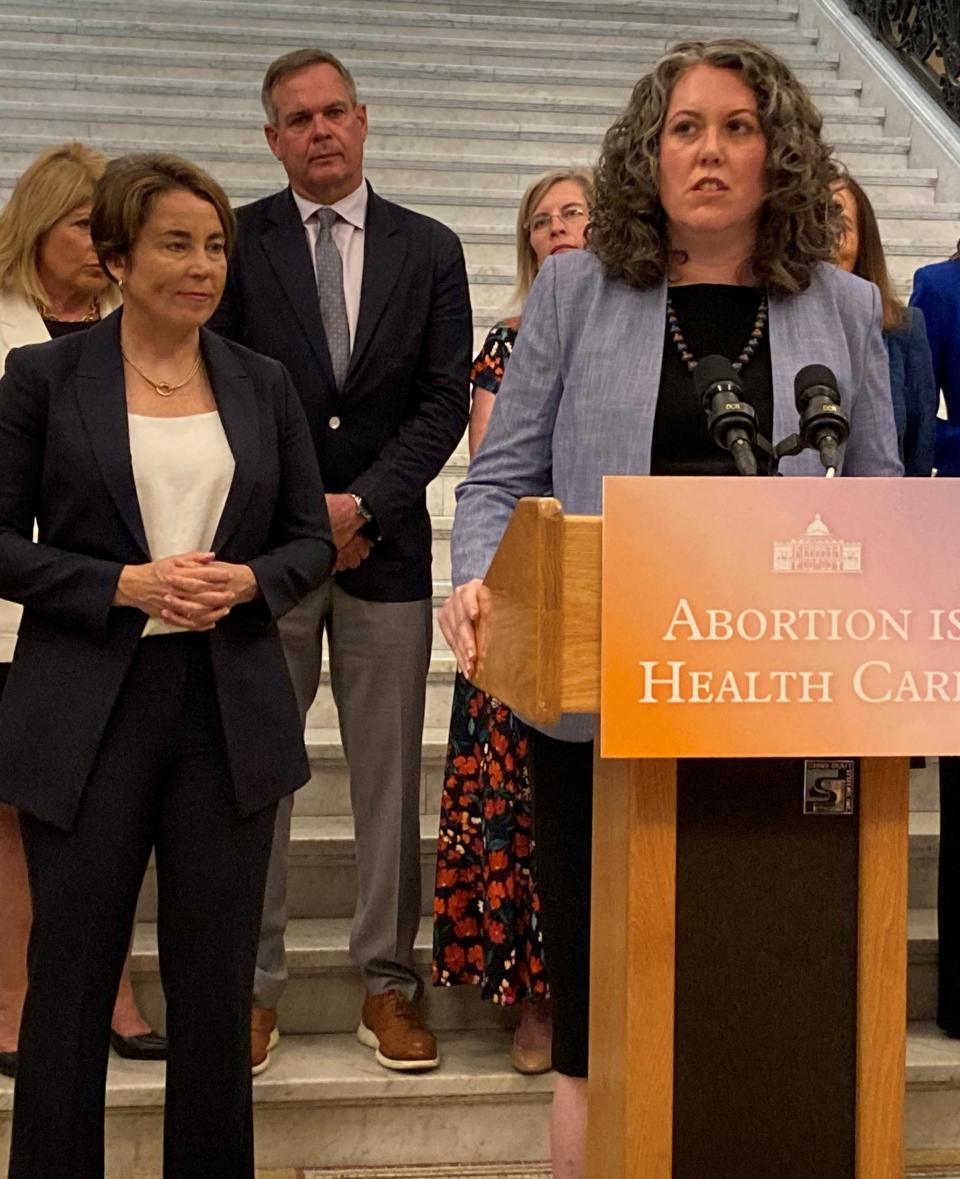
{"points": [[486, 909]]}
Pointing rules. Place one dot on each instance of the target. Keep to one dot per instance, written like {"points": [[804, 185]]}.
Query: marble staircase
{"points": [[468, 101]]}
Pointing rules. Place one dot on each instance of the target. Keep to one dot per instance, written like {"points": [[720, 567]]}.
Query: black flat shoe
{"points": [[8, 1064], [149, 1046]]}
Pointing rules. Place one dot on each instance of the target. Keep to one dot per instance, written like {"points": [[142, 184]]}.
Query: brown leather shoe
{"points": [[392, 1025], [264, 1037]]}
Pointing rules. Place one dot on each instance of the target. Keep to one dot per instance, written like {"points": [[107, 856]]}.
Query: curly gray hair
{"points": [[798, 224]]}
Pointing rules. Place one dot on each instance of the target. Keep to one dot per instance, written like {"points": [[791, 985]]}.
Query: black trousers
{"points": [[562, 780], [948, 897], [160, 781]]}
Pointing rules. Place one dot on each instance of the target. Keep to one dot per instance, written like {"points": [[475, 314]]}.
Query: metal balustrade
{"points": [[925, 34]]}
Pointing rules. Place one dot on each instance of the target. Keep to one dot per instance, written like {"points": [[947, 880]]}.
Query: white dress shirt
{"points": [[348, 234]]}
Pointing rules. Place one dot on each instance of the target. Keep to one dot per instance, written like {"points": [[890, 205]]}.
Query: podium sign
{"points": [[749, 960], [782, 618]]}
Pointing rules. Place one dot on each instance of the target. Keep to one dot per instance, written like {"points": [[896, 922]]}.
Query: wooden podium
{"points": [[691, 1080]]}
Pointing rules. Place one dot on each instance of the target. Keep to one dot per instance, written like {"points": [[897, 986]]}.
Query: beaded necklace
{"points": [[751, 346]]}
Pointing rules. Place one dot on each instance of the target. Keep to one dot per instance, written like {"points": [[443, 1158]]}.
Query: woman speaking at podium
{"points": [[712, 233]]}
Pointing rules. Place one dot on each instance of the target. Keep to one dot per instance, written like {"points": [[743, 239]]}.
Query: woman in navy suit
{"points": [[180, 512]]}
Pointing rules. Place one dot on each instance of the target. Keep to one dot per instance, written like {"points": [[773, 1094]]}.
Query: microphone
{"points": [[823, 424], [731, 421]]}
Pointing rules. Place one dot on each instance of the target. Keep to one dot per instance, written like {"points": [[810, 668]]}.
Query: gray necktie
{"points": [[333, 305]]}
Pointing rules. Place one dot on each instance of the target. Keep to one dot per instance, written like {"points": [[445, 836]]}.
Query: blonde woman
{"points": [[51, 284], [487, 926]]}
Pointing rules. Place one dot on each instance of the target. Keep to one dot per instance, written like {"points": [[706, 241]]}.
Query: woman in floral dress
{"points": [[486, 910]]}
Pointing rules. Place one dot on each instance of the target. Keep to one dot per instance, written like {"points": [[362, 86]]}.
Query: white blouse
{"points": [[182, 468]]}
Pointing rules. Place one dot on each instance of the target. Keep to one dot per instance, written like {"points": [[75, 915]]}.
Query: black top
{"points": [[66, 327], [714, 319]]}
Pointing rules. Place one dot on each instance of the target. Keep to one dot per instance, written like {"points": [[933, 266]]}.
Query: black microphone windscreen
{"points": [[814, 374], [710, 370]]}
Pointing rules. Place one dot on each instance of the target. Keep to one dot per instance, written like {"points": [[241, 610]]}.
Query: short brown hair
{"points": [[293, 63], [57, 182], [871, 262], [126, 193], [527, 265]]}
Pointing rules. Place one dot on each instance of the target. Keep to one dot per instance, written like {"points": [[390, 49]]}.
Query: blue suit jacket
{"points": [[578, 398], [936, 291], [914, 390], [403, 407]]}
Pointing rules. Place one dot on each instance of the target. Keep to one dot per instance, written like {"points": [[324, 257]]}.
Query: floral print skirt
{"points": [[486, 912]]}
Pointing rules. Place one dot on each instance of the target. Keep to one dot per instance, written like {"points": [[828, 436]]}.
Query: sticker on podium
{"points": [[780, 617], [828, 787]]}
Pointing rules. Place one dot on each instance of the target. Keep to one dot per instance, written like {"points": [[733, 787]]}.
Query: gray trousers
{"points": [[379, 658]]}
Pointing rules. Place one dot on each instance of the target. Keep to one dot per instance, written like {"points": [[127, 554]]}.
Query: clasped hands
{"points": [[190, 590]]}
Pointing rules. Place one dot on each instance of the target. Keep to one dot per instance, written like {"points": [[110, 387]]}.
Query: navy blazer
{"points": [[404, 403], [65, 462], [913, 387], [936, 291]]}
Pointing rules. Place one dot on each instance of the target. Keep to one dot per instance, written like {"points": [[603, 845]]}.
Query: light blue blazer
{"points": [[579, 395]]}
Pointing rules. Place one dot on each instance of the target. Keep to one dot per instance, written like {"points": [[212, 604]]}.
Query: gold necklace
{"points": [[163, 388], [91, 315]]}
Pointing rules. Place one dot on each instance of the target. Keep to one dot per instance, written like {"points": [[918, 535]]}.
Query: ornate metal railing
{"points": [[926, 36]]}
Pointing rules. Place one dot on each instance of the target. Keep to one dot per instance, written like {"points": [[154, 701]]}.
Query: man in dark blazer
{"points": [[367, 305]]}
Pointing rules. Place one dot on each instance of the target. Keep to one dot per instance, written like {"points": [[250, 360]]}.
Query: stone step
{"points": [[88, 90], [323, 712], [922, 965], [494, 208], [904, 257], [327, 794], [325, 1098], [933, 223], [325, 992], [689, 11], [235, 159], [924, 853], [327, 1094], [392, 132], [342, 29], [925, 786], [241, 52], [417, 67], [933, 1091], [556, 23], [388, 166], [321, 880]]}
